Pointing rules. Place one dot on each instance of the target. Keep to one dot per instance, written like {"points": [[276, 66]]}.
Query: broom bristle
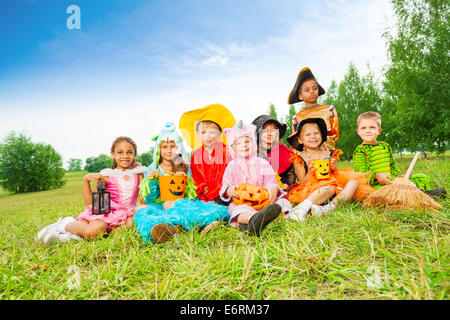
{"points": [[401, 193]]}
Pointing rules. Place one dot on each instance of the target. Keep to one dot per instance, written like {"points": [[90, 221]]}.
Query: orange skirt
{"points": [[338, 179]]}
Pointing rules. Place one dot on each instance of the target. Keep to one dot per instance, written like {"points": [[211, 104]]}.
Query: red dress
{"points": [[208, 170], [338, 178]]}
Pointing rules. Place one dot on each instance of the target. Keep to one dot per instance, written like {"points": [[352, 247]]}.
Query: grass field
{"points": [[353, 253]]}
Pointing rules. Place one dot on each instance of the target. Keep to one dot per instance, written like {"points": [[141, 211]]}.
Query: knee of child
{"points": [[93, 232]]}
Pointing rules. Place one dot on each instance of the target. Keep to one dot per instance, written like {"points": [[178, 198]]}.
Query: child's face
{"points": [[309, 91], [123, 155], [208, 134], [269, 134], [310, 136], [243, 147], [168, 150], [368, 130]]}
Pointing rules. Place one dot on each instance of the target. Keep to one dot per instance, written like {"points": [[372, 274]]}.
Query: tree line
{"points": [[412, 97]]}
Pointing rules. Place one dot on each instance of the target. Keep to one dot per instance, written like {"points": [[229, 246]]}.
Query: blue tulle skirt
{"points": [[187, 213]]}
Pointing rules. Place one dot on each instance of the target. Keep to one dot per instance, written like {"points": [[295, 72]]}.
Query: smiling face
{"points": [[310, 136], [168, 150], [309, 92], [269, 134], [123, 155], [368, 130], [243, 147]]}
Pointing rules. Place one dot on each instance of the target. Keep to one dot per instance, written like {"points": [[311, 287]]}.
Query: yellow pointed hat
{"points": [[216, 113]]}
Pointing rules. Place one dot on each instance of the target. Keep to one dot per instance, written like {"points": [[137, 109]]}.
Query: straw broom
{"points": [[402, 193]]}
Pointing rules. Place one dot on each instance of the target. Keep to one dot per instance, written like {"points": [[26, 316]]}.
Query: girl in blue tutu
{"points": [[159, 221]]}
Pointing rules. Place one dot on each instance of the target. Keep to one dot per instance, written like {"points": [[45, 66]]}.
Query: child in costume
{"points": [[159, 221], [247, 168], [122, 181], [202, 130], [376, 157], [269, 132], [307, 89], [312, 189]]}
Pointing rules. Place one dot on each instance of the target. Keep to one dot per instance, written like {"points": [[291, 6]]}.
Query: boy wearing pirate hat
{"points": [[307, 89]]}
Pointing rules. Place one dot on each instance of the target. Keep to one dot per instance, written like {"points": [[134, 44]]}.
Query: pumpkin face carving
{"points": [[323, 168], [252, 195], [172, 187]]}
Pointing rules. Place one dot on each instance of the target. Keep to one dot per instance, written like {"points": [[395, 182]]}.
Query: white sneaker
{"points": [[41, 234], [297, 215], [67, 236], [318, 211], [300, 212]]}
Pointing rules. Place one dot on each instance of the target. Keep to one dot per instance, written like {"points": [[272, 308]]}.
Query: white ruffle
{"points": [[117, 172]]}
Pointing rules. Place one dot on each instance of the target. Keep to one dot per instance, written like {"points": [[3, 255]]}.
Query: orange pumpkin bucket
{"points": [[172, 187], [253, 196]]}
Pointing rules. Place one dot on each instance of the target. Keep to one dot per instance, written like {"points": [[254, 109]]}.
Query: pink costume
{"points": [[252, 170], [124, 188]]}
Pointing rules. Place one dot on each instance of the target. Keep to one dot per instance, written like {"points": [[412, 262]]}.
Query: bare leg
{"points": [[244, 217], [87, 229], [323, 194], [347, 194]]}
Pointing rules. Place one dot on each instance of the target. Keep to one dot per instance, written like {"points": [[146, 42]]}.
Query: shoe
{"points": [[61, 225], [163, 232], [262, 218], [318, 211], [300, 212], [51, 236], [41, 234], [436, 193], [67, 236]]}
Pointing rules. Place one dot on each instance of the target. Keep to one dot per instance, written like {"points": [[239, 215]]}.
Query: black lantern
{"points": [[101, 200]]}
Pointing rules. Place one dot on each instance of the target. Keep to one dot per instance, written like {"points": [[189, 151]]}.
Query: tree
{"points": [[96, 164], [26, 166], [288, 120], [353, 96], [146, 158], [74, 165], [273, 111], [416, 85]]}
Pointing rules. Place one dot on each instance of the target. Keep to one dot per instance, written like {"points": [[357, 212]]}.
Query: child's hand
{"points": [[205, 191], [180, 173], [153, 173], [285, 186], [383, 178], [333, 164], [273, 192], [231, 191], [311, 167], [94, 177], [168, 204]]}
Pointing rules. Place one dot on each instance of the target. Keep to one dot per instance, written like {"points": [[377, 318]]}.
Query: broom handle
{"points": [[411, 166]]}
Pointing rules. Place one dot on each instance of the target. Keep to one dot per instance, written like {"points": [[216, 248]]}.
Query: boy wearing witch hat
{"points": [[307, 89], [202, 129]]}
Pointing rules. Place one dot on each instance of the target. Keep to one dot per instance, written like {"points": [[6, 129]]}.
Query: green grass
{"points": [[353, 253]]}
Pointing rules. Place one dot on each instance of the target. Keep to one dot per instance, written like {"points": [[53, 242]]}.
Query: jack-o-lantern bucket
{"points": [[322, 168], [172, 187], [251, 195]]}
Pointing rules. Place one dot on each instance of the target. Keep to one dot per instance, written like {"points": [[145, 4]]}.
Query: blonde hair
{"points": [[371, 115], [207, 124], [120, 139]]}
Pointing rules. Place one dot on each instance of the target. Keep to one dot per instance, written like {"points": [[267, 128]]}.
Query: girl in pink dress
{"points": [[122, 181]]}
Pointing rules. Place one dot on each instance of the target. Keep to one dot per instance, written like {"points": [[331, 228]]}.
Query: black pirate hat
{"points": [[303, 75], [260, 121], [292, 139]]}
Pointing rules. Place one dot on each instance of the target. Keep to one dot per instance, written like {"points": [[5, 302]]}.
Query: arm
{"points": [[395, 170], [334, 123], [87, 191]]}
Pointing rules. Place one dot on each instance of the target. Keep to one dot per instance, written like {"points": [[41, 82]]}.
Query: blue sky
{"points": [[134, 65]]}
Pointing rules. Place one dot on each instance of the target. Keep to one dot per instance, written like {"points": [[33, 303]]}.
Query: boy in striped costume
{"points": [[376, 156]]}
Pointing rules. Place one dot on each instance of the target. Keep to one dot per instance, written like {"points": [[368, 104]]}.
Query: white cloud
{"points": [[243, 76]]}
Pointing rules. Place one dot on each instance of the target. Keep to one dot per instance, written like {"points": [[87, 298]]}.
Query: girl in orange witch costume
{"points": [[316, 184]]}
